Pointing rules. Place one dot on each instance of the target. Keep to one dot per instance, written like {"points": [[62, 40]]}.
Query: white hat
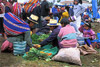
{"points": [[33, 18], [53, 22]]}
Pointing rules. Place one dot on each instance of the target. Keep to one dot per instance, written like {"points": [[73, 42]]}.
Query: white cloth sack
{"points": [[70, 55]]}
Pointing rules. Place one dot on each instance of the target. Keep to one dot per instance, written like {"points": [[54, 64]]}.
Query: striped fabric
{"points": [[19, 47], [14, 25], [17, 9], [28, 7]]}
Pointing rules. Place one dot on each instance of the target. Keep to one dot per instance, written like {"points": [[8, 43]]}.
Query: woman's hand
{"points": [[37, 46]]}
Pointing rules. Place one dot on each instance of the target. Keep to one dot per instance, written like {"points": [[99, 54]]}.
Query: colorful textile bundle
{"points": [[28, 7], [17, 9], [14, 25]]}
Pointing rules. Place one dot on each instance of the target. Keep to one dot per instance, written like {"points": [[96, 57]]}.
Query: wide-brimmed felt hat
{"points": [[53, 22], [33, 18], [88, 24], [79, 1], [73, 18]]}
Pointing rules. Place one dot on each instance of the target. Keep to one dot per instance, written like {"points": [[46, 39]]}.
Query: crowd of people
{"points": [[65, 23]]}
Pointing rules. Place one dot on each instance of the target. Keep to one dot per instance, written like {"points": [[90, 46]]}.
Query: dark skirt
{"points": [[1, 25]]}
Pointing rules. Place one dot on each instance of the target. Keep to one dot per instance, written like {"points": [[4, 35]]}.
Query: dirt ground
{"points": [[9, 60]]}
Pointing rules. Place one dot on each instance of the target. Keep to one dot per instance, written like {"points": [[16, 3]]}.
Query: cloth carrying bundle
{"points": [[17, 9], [13, 25], [28, 7]]}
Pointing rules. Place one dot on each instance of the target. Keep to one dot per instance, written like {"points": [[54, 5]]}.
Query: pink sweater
{"points": [[66, 43]]}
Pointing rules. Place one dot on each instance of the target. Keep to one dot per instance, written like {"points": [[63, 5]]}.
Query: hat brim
{"points": [[54, 25], [32, 20]]}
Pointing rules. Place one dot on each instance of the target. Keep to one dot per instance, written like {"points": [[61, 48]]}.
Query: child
{"points": [[88, 33]]}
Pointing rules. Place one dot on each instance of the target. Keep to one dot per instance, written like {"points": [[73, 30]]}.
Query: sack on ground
{"points": [[70, 55], [87, 50]]}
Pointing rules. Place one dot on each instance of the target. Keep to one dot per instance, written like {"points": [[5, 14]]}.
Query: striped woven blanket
{"points": [[28, 7], [13, 25], [17, 9]]}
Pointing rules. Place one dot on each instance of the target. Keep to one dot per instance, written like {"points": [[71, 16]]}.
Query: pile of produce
{"points": [[43, 37], [34, 38], [42, 53], [35, 54], [37, 39]]}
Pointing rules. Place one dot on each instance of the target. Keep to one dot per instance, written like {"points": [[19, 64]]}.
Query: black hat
{"points": [[87, 24], [79, 1]]}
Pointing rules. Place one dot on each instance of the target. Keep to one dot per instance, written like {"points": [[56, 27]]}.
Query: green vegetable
{"points": [[34, 39], [37, 39], [43, 37], [35, 54]]}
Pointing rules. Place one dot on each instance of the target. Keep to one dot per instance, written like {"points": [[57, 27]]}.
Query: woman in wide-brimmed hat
{"points": [[45, 28], [55, 28]]}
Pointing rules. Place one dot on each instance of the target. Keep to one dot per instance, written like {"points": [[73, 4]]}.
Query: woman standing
{"points": [[78, 10]]}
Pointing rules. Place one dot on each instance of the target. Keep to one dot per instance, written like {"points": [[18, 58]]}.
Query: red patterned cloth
{"points": [[17, 9], [30, 5]]}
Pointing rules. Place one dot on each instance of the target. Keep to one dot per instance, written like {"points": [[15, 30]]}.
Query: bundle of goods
{"points": [[17, 9], [13, 25], [42, 53], [28, 7], [70, 55]]}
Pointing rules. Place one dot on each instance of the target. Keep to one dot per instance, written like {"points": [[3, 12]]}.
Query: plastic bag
{"points": [[19, 47]]}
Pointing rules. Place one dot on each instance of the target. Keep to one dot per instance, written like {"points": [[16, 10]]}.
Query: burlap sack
{"points": [[87, 50], [71, 55]]}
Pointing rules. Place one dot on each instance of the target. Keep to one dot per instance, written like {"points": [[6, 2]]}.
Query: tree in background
{"points": [[98, 2], [58, 0]]}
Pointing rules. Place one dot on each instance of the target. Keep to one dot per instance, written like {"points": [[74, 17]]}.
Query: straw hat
{"points": [[53, 23], [33, 18]]}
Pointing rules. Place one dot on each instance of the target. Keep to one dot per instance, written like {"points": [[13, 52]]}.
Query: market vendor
{"points": [[45, 28], [21, 29], [67, 34], [55, 28]]}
